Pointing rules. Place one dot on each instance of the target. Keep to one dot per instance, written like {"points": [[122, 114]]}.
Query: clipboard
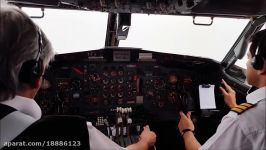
{"points": [[207, 96]]}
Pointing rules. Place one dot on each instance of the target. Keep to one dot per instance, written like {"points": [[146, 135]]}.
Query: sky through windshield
{"points": [[74, 31]]}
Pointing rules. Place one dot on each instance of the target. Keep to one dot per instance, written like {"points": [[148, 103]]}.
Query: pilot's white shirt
{"points": [[242, 132], [98, 141]]}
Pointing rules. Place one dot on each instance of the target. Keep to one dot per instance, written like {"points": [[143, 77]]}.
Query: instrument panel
{"points": [[120, 90]]}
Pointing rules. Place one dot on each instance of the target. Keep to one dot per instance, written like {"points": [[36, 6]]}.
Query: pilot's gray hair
{"points": [[18, 44]]}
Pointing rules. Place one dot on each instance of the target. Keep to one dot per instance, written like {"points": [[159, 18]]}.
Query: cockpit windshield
{"points": [[178, 35], [74, 31]]}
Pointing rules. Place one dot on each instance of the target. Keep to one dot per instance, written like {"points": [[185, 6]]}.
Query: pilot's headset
{"points": [[257, 60], [32, 70]]}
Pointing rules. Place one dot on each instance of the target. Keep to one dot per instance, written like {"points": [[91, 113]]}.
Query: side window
{"points": [[242, 62]]}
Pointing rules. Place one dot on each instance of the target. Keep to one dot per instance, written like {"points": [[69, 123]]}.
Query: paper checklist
{"points": [[207, 98]]}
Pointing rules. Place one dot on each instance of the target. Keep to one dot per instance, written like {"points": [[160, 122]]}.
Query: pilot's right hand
{"points": [[148, 136], [229, 95]]}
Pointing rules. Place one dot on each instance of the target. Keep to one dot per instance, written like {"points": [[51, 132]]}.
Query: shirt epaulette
{"points": [[242, 108]]}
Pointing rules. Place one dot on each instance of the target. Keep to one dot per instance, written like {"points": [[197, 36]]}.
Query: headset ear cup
{"points": [[38, 69], [30, 71], [257, 62]]}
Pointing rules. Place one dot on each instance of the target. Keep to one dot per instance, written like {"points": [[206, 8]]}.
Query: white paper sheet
{"points": [[207, 98]]}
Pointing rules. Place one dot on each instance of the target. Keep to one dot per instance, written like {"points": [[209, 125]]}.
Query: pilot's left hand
{"points": [[185, 122]]}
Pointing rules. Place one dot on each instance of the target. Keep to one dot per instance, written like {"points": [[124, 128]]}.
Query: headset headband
{"points": [[40, 41]]}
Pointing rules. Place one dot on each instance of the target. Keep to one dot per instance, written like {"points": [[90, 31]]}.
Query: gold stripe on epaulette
{"points": [[242, 107], [237, 110], [247, 104]]}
